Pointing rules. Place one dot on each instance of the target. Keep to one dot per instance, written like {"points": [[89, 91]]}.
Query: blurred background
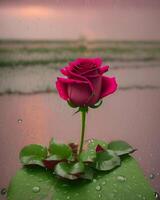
{"points": [[38, 37]]}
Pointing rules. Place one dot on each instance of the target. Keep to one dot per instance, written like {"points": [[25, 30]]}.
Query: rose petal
{"points": [[62, 89], [109, 86], [103, 69], [62, 86], [79, 94], [82, 78], [64, 71], [97, 61]]}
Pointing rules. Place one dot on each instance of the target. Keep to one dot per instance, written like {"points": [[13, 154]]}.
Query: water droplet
{"points": [[94, 180], [68, 197], [3, 191], [115, 191], [157, 196], [36, 189], [151, 176], [90, 140], [99, 195], [19, 121], [103, 183], [98, 187], [139, 195], [121, 178]]}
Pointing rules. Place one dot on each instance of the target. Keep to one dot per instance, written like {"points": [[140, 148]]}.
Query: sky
{"points": [[71, 19]]}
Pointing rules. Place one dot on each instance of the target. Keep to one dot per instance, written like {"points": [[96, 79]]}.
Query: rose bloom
{"points": [[85, 84]]}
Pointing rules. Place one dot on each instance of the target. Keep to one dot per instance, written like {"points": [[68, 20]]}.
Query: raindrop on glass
{"points": [[121, 178], [3, 191], [151, 176], [157, 196], [19, 121], [98, 187], [36, 189]]}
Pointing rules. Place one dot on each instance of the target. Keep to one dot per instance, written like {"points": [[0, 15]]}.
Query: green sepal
{"points": [[98, 104], [71, 104]]}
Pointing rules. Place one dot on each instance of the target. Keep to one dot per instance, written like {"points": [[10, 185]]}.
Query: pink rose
{"points": [[85, 83]]}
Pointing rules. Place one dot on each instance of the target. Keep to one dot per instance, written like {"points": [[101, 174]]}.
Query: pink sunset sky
{"points": [[71, 19]]}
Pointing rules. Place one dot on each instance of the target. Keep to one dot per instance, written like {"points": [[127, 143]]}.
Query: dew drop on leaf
{"points": [[98, 187], [36, 189], [77, 194], [99, 195], [121, 178], [139, 195], [68, 197], [94, 180]]}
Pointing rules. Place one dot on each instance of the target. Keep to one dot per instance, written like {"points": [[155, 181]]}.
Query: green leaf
{"points": [[69, 170], [77, 168], [33, 155], [87, 156], [90, 154], [120, 147], [135, 186], [88, 173], [62, 150], [106, 160], [71, 104]]}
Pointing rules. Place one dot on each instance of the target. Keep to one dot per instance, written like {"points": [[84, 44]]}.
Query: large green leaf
{"points": [[62, 150], [126, 182], [120, 147], [33, 154]]}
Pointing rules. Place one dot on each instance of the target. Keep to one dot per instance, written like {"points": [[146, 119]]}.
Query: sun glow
{"points": [[36, 11]]}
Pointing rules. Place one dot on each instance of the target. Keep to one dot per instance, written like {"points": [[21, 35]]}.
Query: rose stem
{"points": [[83, 114]]}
